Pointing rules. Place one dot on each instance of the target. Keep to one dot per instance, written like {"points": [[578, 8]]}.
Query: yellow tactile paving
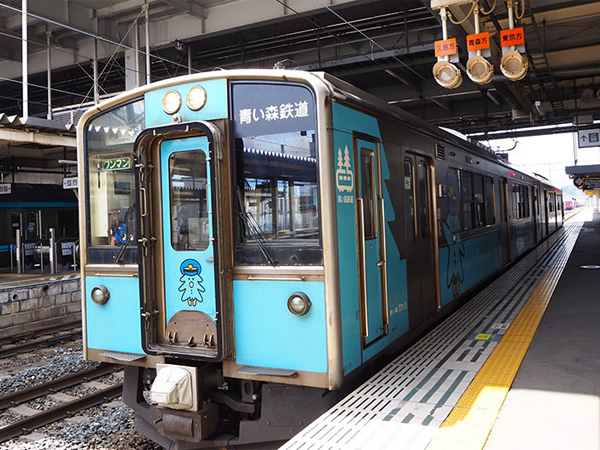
{"points": [[469, 424]]}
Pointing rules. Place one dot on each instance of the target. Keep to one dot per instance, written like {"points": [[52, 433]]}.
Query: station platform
{"points": [[10, 278], [515, 368]]}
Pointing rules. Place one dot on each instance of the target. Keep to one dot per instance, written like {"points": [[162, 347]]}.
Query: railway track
{"points": [[60, 411], [44, 338]]}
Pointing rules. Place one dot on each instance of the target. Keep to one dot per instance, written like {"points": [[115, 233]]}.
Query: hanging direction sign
{"points": [[589, 138]]}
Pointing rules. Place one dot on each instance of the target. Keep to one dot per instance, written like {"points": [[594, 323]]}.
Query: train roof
{"points": [[339, 89], [352, 94]]}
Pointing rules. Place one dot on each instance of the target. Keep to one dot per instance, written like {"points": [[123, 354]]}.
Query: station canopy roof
{"points": [[385, 47]]}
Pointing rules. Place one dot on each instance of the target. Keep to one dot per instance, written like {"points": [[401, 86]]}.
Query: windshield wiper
{"points": [[252, 228], [122, 249]]}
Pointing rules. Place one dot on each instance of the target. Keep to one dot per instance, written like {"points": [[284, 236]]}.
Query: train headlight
{"points": [[196, 98], [299, 304], [171, 102], [100, 295]]}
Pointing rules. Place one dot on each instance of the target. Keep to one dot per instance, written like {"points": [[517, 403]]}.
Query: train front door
{"points": [[175, 205], [420, 257], [189, 252], [371, 239]]}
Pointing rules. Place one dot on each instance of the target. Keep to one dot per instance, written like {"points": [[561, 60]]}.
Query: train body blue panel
{"points": [[345, 122], [482, 257], [116, 325], [215, 108], [267, 335]]}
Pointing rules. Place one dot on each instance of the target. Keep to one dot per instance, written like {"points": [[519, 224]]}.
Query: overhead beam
{"points": [[188, 6], [120, 8], [32, 137]]}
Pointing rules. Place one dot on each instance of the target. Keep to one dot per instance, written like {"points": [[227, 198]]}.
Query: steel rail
{"points": [[9, 350], [53, 386], [28, 424]]}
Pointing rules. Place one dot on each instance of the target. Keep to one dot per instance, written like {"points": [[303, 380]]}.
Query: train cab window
{"points": [[111, 201], [409, 201], [276, 204], [368, 192], [188, 203]]}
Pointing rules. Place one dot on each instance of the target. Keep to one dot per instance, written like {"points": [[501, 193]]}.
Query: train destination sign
{"points": [[117, 163], [263, 109]]}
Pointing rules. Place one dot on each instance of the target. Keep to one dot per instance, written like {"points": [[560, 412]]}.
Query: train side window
{"points": [[479, 202], [368, 192], [188, 204], [467, 199], [15, 218], [423, 199], [521, 207], [32, 224], [409, 201], [490, 216], [67, 223]]}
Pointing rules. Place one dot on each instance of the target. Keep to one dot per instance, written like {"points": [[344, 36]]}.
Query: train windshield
{"points": [[112, 230], [276, 190]]}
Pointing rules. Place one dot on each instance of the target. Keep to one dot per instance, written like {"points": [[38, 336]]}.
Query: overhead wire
{"points": [[86, 33], [388, 71], [373, 42], [376, 44], [104, 41]]}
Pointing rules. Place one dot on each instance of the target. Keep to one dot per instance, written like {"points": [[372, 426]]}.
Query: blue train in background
{"points": [[32, 210], [251, 240]]}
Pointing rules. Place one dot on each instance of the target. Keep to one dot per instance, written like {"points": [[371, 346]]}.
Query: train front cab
{"points": [[261, 243], [206, 242]]}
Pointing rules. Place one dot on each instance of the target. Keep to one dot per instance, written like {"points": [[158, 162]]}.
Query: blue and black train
{"points": [[31, 210], [253, 239]]}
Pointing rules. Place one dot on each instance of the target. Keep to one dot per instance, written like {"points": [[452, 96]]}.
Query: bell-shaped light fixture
{"points": [[447, 74], [514, 65], [480, 70]]}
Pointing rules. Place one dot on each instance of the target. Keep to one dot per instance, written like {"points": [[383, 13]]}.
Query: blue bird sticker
{"points": [[191, 282]]}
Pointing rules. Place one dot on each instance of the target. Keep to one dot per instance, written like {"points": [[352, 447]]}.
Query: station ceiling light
{"points": [[480, 70], [513, 65], [447, 74]]}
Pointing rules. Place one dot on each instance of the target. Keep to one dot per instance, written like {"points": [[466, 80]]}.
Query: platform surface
{"points": [[487, 377], [554, 401]]}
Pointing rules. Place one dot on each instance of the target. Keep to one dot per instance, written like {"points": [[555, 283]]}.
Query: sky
{"points": [[548, 156]]}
